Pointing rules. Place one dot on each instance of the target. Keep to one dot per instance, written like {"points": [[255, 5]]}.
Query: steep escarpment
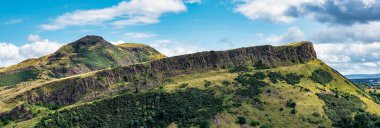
{"points": [[154, 73], [87, 54]]}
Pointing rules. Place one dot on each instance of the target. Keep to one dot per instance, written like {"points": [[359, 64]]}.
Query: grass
{"points": [[15, 78]]}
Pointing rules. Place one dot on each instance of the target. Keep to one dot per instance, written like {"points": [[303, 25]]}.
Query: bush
{"points": [[321, 76], [291, 104], [239, 69], [207, 83], [259, 75], [293, 111], [241, 120], [255, 123], [275, 76], [316, 114], [204, 124], [226, 82], [293, 78], [184, 85]]}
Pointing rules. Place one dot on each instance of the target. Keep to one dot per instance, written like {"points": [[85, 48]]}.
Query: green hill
{"points": [[261, 86], [87, 54]]}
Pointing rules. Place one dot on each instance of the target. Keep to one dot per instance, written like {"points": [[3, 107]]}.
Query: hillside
{"points": [[87, 54], [260, 86]]}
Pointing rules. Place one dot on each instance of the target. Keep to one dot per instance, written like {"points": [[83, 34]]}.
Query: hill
{"points": [[260, 86], [87, 54]]}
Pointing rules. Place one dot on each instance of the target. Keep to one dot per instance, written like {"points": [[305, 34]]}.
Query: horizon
{"points": [[345, 34]]}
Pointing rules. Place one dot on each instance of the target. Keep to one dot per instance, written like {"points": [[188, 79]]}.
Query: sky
{"points": [[345, 33]]}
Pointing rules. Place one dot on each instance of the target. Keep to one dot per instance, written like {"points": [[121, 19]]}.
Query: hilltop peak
{"points": [[90, 40]]}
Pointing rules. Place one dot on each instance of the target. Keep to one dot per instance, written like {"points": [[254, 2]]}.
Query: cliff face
{"points": [[152, 74]]}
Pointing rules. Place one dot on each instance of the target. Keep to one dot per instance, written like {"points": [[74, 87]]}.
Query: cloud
{"points": [[294, 34], [125, 13], [193, 1], [118, 42], [364, 33], [174, 48], [351, 58], [14, 21], [139, 35], [270, 10], [346, 12], [37, 47]]}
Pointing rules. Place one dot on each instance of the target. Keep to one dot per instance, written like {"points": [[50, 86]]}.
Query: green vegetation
{"points": [[190, 107], [241, 120], [251, 85], [15, 78], [321, 76], [375, 96], [255, 123], [293, 78], [274, 77], [291, 104], [342, 107], [239, 69]]}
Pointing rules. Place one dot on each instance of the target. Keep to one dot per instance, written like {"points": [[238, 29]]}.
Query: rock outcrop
{"points": [[153, 73]]}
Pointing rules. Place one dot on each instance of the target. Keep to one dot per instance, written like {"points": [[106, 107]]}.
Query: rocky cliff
{"points": [[154, 73]]}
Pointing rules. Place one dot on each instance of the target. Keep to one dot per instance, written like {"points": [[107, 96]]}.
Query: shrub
{"points": [[207, 83], [291, 104], [259, 75], [241, 120], [184, 85], [239, 69], [255, 123], [226, 82], [316, 114], [204, 124], [292, 78], [275, 76], [321, 76], [293, 111]]}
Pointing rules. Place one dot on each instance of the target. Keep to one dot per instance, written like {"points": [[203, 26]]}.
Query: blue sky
{"points": [[346, 34]]}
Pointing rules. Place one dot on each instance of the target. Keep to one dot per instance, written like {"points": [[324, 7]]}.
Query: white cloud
{"points": [[34, 38], [270, 10], [11, 54], [366, 33], [174, 48], [193, 1], [351, 58], [118, 42], [140, 35], [125, 13], [14, 21], [294, 34]]}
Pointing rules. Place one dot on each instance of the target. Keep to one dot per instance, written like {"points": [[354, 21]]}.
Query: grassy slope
{"points": [[307, 102], [98, 59]]}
